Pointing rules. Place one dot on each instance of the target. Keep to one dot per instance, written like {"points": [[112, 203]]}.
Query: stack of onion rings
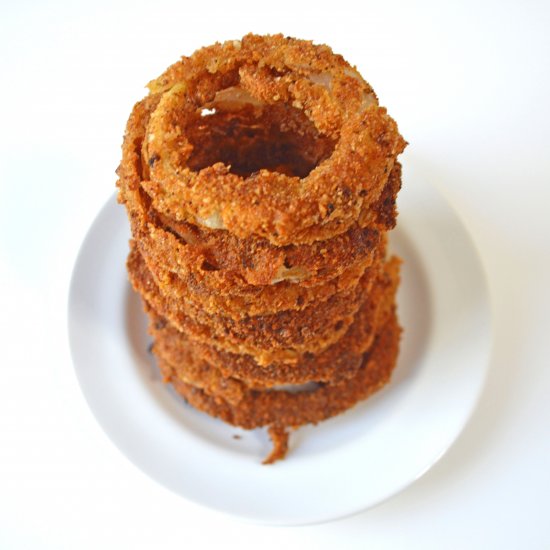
{"points": [[260, 178]]}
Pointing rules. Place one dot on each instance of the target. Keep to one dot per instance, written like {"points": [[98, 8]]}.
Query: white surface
{"points": [[374, 450], [469, 85]]}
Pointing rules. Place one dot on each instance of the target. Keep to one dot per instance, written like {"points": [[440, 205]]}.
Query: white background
{"points": [[469, 85]]}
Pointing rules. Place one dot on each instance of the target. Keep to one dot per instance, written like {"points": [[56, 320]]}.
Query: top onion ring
{"points": [[284, 209]]}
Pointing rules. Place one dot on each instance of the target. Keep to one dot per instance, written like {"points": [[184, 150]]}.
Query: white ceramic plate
{"points": [[337, 468]]}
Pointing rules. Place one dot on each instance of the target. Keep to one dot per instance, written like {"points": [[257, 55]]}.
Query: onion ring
{"points": [[280, 337], [270, 71], [251, 300], [219, 373], [292, 409], [216, 258]]}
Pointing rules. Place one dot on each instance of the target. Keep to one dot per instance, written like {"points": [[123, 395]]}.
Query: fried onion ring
{"points": [[284, 408], [251, 300], [282, 337], [302, 89], [224, 263], [222, 373]]}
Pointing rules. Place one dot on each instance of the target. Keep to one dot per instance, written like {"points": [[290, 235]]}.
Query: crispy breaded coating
{"points": [[337, 362], [281, 336], [267, 407], [260, 178]]}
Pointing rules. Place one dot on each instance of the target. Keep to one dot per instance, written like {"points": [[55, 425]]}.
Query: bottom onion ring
{"points": [[280, 409]]}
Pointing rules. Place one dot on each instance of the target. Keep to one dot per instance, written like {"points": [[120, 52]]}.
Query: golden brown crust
{"points": [[260, 408], [282, 336], [221, 262], [324, 90], [226, 263], [250, 301], [204, 363], [272, 71]]}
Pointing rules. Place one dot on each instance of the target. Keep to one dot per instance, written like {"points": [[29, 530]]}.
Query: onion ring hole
{"points": [[248, 136]]}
